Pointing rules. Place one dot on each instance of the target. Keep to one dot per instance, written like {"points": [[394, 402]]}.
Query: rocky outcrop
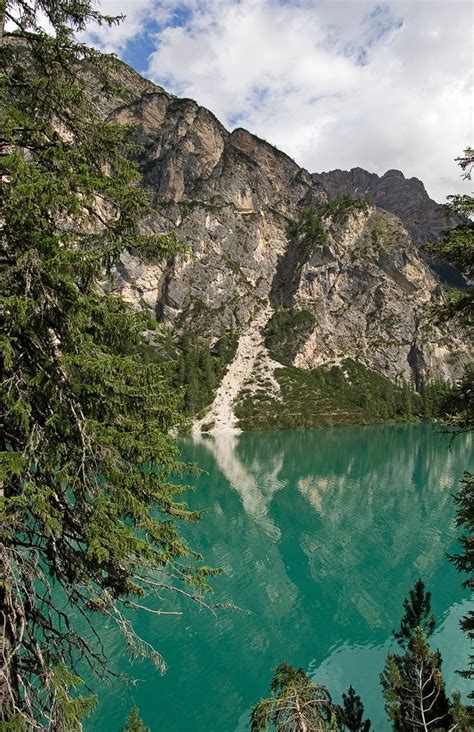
{"points": [[233, 199], [405, 197], [369, 292]]}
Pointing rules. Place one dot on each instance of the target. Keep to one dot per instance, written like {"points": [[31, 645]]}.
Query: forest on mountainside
{"points": [[91, 478]]}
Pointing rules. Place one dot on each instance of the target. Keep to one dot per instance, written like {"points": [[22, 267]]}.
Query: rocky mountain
{"points": [[303, 281], [407, 198]]}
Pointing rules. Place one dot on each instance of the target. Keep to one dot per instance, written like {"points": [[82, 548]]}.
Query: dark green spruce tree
{"points": [[464, 562], [353, 712], [457, 246], [414, 688], [134, 722], [89, 502], [412, 682], [417, 613]]}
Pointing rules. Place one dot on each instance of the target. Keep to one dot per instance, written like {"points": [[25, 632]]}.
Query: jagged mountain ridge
{"points": [[233, 198], [407, 198]]}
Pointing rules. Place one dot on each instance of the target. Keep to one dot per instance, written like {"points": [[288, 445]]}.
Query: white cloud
{"points": [[332, 83], [114, 39]]}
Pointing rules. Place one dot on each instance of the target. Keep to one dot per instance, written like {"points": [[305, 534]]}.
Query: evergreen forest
{"points": [[92, 514]]}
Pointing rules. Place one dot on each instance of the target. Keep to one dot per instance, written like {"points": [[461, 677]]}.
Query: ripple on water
{"points": [[321, 534]]}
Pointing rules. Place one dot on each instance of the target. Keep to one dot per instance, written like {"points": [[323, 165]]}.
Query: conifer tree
{"points": [[134, 722], [353, 712], [414, 690], [458, 246], [407, 401], [297, 704], [464, 561], [89, 503], [417, 608], [412, 682]]}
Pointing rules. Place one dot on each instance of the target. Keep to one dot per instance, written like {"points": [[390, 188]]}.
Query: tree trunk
{"points": [[8, 686], [299, 714]]}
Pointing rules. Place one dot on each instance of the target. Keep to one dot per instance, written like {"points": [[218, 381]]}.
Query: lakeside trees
{"points": [[89, 505], [458, 245], [412, 682], [353, 712], [417, 613], [414, 689], [134, 722], [464, 561], [297, 704]]}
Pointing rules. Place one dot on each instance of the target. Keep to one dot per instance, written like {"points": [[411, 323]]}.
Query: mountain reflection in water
{"points": [[321, 534]]}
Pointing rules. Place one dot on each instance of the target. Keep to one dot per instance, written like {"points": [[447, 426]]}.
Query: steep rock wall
{"points": [[232, 198]]}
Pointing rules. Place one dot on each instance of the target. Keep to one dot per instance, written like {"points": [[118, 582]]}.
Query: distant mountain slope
{"points": [[405, 197], [345, 282]]}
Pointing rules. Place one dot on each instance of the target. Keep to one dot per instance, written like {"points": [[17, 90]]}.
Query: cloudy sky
{"points": [[333, 83]]}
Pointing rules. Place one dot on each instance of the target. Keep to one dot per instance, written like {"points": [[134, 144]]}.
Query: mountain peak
{"points": [[394, 173], [405, 197], [296, 282]]}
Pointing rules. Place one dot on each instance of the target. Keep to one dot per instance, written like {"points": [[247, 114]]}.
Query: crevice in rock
{"points": [[416, 360], [163, 299]]}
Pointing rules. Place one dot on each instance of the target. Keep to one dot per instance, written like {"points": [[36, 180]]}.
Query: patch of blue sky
{"points": [[235, 120], [376, 26], [181, 16], [259, 95], [380, 22], [359, 53], [138, 49]]}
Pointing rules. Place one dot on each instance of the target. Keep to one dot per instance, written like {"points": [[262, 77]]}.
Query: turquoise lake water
{"points": [[321, 534]]}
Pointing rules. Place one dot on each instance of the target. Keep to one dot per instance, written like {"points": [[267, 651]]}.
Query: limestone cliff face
{"points": [[405, 197], [370, 292], [231, 197]]}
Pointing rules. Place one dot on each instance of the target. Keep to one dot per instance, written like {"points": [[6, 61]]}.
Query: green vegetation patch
{"points": [[304, 236], [326, 396], [194, 367], [344, 204], [286, 331], [307, 233]]}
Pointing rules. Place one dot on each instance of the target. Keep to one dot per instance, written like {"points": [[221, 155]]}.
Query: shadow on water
{"points": [[321, 534]]}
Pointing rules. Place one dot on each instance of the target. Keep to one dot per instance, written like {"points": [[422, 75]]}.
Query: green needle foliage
{"points": [[353, 712], [458, 244], [412, 682], [413, 688], [134, 722], [464, 562], [417, 608], [297, 704], [89, 503]]}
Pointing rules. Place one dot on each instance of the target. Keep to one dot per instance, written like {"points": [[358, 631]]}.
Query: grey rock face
{"points": [[232, 196], [370, 301], [405, 197]]}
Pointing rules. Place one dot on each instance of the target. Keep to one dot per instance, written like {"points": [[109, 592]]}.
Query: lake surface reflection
{"points": [[321, 534]]}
